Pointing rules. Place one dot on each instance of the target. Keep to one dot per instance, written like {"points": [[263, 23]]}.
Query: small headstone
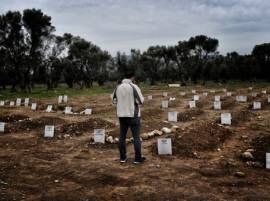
{"points": [[172, 116], [2, 127], [150, 97], [264, 92], [182, 93], [192, 104], [267, 160], [217, 105], [193, 91], [49, 131], [212, 91], [165, 104], [12, 103], [217, 98], [257, 105], [254, 94], [165, 94], [68, 110], [26, 102], [229, 94], [18, 102], [226, 118], [165, 146], [65, 98], [241, 98], [224, 90], [34, 106], [196, 97], [205, 94], [99, 136], [88, 111], [49, 108], [60, 99], [174, 85], [2, 103], [250, 88]]}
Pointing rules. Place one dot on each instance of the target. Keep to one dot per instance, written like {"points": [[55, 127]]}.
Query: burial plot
{"points": [[11, 103], [2, 127], [60, 99], [217, 105], [26, 102], [150, 97], [2, 103], [18, 102], [165, 146], [217, 98], [196, 97], [172, 116], [49, 131], [241, 98], [99, 136], [165, 104], [267, 160], [165, 94], [68, 110], [192, 104], [257, 105], [34, 106], [65, 98], [226, 118], [49, 108]]}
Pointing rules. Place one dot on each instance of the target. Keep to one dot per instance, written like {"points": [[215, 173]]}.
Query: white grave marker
{"points": [[26, 102], [217, 98], [224, 90], [241, 98], [88, 111], [68, 110], [172, 116], [254, 94], [192, 104], [205, 94], [12, 103], [49, 131], [165, 104], [250, 88], [150, 97], [196, 97], [182, 93], [229, 94], [165, 94], [264, 92], [99, 136], [217, 105], [60, 99], [226, 118], [34, 106], [267, 160], [49, 108], [18, 102], [213, 91], [165, 146], [2, 103], [2, 127], [65, 98], [193, 91], [257, 105]]}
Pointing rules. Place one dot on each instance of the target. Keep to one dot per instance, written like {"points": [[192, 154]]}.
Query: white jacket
{"points": [[128, 96]]}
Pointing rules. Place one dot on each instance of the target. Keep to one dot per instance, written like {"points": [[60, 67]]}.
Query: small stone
{"points": [[247, 155], [145, 136], [244, 136], [166, 130], [56, 181], [240, 174], [250, 150], [218, 149], [174, 128]]}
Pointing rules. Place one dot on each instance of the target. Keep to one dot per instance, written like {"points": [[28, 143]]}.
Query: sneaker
{"points": [[123, 160], [139, 161]]}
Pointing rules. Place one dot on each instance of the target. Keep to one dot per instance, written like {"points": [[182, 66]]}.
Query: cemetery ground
{"points": [[209, 161]]}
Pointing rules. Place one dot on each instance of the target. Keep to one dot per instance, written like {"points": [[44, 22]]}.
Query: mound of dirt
{"points": [[241, 116], [261, 146], [9, 118], [153, 113], [76, 129], [227, 104], [189, 114], [203, 136]]}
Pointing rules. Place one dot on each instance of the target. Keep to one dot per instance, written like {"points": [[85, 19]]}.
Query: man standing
{"points": [[127, 96]]}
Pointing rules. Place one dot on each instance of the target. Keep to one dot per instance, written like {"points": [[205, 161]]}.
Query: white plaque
{"points": [[172, 116], [165, 94], [2, 127], [49, 131], [267, 160], [182, 93], [213, 91], [99, 136], [264, 92], [193, 91], [150, 97], [165, 146], [241, 98], [192, 104], [34, 106], [26, 102], [12, 103], [18, 102], [2, 103], [60, 99], [65, 98], [88, 111], [196, 97], [217, 98], [205, 94], [165, 104], [224, 90], [229, 94], [254, 94], [226, 118], [257, 105], [49, 108], [68, 110], [217, 105], [250, 88]]}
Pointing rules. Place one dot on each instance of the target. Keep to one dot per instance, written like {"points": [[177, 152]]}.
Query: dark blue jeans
{"points": [[134, 123]]}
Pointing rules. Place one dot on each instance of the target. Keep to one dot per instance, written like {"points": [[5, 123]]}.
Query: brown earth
{"points": [[69, 167]]}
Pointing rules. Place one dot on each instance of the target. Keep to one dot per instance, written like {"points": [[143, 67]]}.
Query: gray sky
{"points": [[119, 25]]}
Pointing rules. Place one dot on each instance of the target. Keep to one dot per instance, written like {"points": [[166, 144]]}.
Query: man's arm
{"points": [[140, 96]]}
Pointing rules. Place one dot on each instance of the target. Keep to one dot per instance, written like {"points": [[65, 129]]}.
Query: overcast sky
{"points": [[119, 25]]}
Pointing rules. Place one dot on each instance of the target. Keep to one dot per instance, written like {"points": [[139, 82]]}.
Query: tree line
{"points": [[31, 53]]}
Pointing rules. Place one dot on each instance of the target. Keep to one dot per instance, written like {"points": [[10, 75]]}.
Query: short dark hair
{"points": [[129, 74]]}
